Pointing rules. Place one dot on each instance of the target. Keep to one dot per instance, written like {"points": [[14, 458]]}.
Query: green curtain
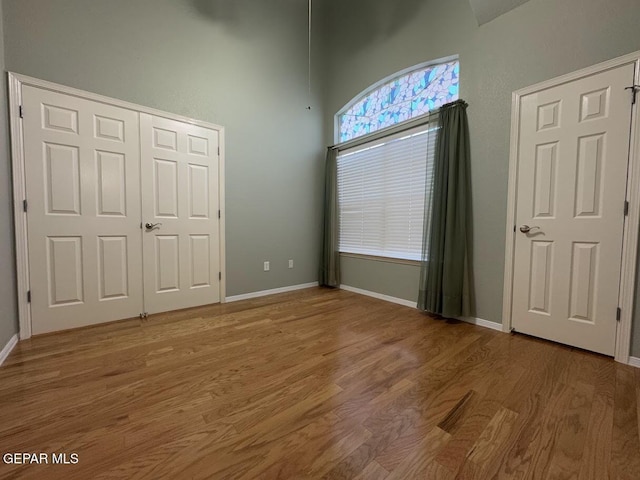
{"points": [[445, 272], [330, 261]]}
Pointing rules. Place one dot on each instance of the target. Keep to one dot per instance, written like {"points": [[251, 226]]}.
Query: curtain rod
{"points": [[386, 132]]}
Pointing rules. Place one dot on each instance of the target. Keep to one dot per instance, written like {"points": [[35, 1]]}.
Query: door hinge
{"points": [[218, 151], [219, 214], [21, 111], [514, 228], [25, 205], [219, 275], [626, 208], [618, 313], [634, 92], [29, 296]]}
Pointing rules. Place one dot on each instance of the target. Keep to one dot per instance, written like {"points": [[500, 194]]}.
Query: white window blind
{"points": [[381, 191]]}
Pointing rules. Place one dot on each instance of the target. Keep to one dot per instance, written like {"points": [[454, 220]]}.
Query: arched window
{"points": [[384, 181], [402, 98]]}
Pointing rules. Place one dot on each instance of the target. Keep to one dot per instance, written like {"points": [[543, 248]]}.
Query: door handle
{"points": [[152, 226], [527, 228]]}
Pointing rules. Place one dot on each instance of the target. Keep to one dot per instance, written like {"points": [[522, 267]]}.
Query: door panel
{"points": [[167, 263], [545, 181], [82, 167], [572, 171], [180, 195], [200, 256], [113, 255], [112, 184], [65, 270], [583, 281], [62, 182], [198, 191], [540, 283]]}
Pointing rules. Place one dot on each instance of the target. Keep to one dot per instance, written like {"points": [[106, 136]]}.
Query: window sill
{"points": [[375, 258]]}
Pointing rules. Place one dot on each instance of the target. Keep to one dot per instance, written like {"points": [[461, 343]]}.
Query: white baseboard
{"points": [[388, 298], [13, 341], [634, 362], [408, 303], [482, 323], [264, 293]]}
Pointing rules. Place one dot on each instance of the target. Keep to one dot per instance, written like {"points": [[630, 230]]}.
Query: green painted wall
{"points": [[371, 39], [240, 64], [8, 304], [395, 279]]}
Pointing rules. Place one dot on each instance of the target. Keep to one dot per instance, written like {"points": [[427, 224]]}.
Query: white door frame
{"points": [[16, 81], [632, 221]]}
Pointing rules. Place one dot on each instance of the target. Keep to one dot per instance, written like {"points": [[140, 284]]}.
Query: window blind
{"points": [[382, 187]]}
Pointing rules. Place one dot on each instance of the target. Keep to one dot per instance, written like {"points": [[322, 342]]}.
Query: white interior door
{"points": [[572, 171], [180, 205], [82, 168]]}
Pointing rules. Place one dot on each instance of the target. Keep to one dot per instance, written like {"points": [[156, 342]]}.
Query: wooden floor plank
{"points": [[568, 454], [314, 384], [596, 458], [422, 459], [491, 440], [477, 419], [373, 471], [625, 439]]}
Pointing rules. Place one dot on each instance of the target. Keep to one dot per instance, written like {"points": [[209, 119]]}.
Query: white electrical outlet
{"points": [[290, 263], [266, 266]]}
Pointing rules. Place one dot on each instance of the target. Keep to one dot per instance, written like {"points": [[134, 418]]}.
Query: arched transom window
{"points": [[403, 98]]}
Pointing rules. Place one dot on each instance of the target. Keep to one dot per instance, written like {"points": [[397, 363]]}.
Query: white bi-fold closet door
{"points": [[96, 176]]}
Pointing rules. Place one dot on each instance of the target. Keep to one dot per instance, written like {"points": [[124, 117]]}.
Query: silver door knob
{"points": [[527, 228], [152, 226]]}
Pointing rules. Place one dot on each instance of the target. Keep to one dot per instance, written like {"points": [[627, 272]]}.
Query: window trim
{"points": [[377, 85], [406, 130], [386, 134], [378, 258]]}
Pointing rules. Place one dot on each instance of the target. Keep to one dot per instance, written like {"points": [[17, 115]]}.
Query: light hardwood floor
{"points": [[316, 384]]}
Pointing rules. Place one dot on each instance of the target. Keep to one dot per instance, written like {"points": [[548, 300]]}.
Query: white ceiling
{"points": [[487, 10]]}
